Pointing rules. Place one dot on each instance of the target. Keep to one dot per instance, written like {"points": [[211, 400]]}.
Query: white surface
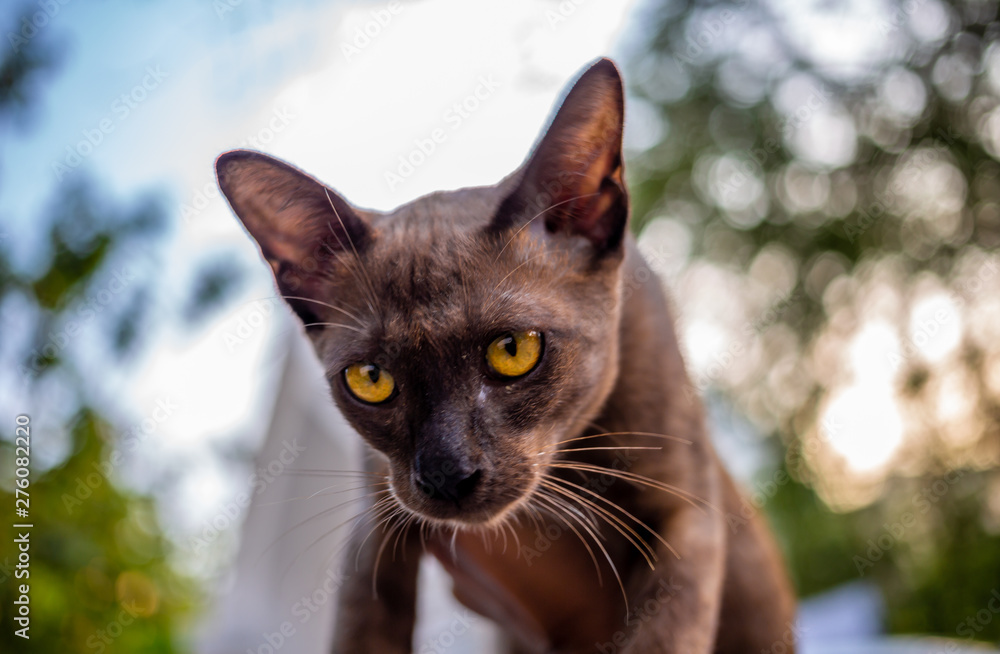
{"points": [[269, 586], [896, 646]]}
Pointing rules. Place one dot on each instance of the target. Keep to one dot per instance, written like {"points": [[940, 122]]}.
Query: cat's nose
{"points": [[446, 479]]}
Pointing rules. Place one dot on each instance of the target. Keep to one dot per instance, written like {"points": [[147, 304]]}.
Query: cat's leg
{"points": [[379, 620], [758, 605], [675, 608]]}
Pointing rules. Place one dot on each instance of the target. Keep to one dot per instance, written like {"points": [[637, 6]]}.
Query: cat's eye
{"points": [[516, 354], [369, 383]]}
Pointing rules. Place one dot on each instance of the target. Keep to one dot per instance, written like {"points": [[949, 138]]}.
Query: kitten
{"points": [[512, 362]]}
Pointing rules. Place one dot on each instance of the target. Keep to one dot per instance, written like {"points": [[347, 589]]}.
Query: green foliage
{"points": [[735, 83], [99, 579], [819, 544], [102, 578]]}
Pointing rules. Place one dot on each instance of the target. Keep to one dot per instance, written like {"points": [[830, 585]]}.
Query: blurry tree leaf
{"points": [[101, 575], [842, 202], [216, 281]]}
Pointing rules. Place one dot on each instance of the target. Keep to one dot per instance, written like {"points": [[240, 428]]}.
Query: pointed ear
{"points": [[573, 183], [299, 224]]}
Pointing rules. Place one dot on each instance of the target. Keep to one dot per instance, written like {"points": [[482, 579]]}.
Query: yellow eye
{"points": [[369, 383], [515, 354]]}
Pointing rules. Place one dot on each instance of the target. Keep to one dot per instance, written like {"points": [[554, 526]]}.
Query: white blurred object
{"points": [[897, 645], [852, 612], [849, 620], [276, 567]]}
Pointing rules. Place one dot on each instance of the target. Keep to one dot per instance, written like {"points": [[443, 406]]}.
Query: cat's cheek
{"points": [[377, 427]]}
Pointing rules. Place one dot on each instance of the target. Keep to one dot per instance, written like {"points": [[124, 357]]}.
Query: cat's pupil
{"points": [[373, 374], [510, 345]]}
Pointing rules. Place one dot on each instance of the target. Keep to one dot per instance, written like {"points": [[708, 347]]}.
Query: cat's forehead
{"points": [[434, 264], [436, 242]]}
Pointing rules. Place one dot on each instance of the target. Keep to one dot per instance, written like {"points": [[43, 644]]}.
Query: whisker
{"points": [[614, 521], [357, 257], [516, 268], [500, 530], [323, 492], [393, 526], [614, 568], [676, 439], [322, 513], [327, 305], [685, 495], [323, 472], [549, 208], [533, 514], [486, 545], [334, 324], [468, 304], [617, 506], [410, 521], [593, 449], [352, 264], [380, 517], [513, 532], [423, 535], [360, 521], [557, 503], [584, 512], [324, 535]]}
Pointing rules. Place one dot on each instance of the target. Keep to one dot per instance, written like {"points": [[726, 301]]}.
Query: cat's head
{"points": [[466, 334]]}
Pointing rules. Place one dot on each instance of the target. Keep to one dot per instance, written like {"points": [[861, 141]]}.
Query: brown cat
{"points": [[513, 364]]}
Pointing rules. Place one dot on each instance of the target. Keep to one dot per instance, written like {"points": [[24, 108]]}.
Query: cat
{"points": [[512, 362]]}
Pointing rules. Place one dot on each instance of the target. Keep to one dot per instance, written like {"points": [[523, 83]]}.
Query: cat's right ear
{"points": [[299, 223], [573, 183]]}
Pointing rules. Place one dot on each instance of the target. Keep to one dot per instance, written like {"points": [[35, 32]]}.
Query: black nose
{"points": [[445, 478]]}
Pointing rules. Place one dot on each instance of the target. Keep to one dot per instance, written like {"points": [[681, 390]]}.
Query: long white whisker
{"points": [[327, 305], [615, 522], [559, 503], [685, 495]]}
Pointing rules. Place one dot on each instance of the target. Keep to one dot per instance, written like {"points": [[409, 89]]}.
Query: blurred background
{"points": [[816, 181]]}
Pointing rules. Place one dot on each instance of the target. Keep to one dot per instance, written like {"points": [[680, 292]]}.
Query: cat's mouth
{"points": [[479, 498]]}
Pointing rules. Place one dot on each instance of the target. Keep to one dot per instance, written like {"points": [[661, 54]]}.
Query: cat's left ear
{"points": [[299, 223], [573, 183]]}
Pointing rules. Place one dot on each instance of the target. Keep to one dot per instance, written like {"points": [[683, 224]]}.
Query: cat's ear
{"points": [[299, 224], [574, 180]]}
